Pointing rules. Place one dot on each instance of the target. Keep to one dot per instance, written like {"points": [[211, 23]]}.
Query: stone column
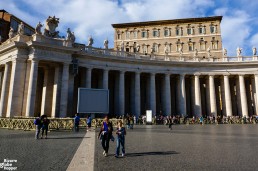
{"points": [[182, 97], [44, 92], [152, 94], [167, 95], [31, 98], [88, 77], [55, 105], [64, 90], [137, 94], [228, 101], [197, 95], [5, 88], [256, 93], [213, 105], [105, 79], [16, 89], [243, 96], [121, 93]]}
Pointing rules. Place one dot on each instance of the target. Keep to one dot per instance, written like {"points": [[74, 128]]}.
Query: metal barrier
{"points": [[27, 124]]}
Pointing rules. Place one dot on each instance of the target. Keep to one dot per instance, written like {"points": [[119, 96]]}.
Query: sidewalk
{"points": [[83, 159]]}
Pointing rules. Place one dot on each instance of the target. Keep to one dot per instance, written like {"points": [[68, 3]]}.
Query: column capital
{"points": [[121, 71], [241, 75], [137, 72], [226, 74], [66, 64], [197, 74], [182, 75], [152, 73], [167, 74], [211, 75]]}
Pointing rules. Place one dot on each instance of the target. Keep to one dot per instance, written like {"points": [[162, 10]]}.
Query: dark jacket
{"points": [[110, 128]]}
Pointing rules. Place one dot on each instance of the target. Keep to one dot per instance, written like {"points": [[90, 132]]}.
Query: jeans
{"points": [[105, 142], [120, 140], [44, 129], [38, 127], [76, 127]]}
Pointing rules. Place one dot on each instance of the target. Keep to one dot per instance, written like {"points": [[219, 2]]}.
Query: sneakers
{"points": [[104, 153], [123, 154]]}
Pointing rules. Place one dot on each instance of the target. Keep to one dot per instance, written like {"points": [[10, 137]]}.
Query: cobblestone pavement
{"points": [[186, 147], [54, 153]]}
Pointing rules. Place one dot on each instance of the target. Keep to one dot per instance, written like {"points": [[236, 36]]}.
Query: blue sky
{"points": [[94, 17]]}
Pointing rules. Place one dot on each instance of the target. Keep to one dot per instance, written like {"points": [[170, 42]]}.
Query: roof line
{"points": [[157, 22]]}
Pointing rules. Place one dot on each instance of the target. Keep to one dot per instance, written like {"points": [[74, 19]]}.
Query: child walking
{"points": [[121, 132]]}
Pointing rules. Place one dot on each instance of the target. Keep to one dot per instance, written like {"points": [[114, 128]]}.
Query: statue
{"points": [[21, 28], [106, 44], [225, 52], [38, 28], [69, 34], [73, 37], [122, 45], [254, 51], [209, 52], [195, 52], [239, 51], [180, 50], [51, 25], [138, 48], [166, 49], [90, 41], [11, 33]]}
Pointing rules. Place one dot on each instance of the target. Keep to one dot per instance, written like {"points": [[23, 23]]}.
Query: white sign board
{"points": [[149, 116]]}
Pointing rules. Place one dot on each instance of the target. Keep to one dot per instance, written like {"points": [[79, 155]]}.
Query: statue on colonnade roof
{"points": [[51, 25]]}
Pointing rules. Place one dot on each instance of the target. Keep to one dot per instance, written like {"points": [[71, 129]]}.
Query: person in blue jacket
{"points": [[121, 132]]}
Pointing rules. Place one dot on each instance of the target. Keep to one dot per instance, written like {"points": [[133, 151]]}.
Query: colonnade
{"points": [[198, 94]]}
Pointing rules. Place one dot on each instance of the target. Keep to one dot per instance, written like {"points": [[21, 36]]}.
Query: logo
{"points": [[8, 164]]}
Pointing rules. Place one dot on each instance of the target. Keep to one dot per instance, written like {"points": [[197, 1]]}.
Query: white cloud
{"points": [[235, 30]]}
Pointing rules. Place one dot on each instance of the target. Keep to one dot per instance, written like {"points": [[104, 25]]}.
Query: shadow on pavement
{"points": [[151, 153], [67, 137]]}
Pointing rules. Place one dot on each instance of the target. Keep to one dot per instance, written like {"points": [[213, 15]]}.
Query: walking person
{"points": [[45, 123], [121, 132], [89, 123], [106, 132], [170, 122], [38, 124], [76, 123]]}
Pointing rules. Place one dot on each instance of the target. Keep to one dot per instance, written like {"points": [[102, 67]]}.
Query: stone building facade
{"points": [[171, 36], [37, 77]]}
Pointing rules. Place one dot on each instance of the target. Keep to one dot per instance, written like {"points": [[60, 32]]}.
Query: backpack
{"points": [[36, 121]]}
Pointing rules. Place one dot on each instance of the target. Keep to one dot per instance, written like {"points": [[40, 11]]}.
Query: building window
{"points": [[155, 33], [178, 31], [213, 29], [167, 32], [145, 49], [135, 34], [118, 36], [190, 47], [14, 25], [127, 35], [202, 30], [189, 31], [155, 47], [144, 34]]}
